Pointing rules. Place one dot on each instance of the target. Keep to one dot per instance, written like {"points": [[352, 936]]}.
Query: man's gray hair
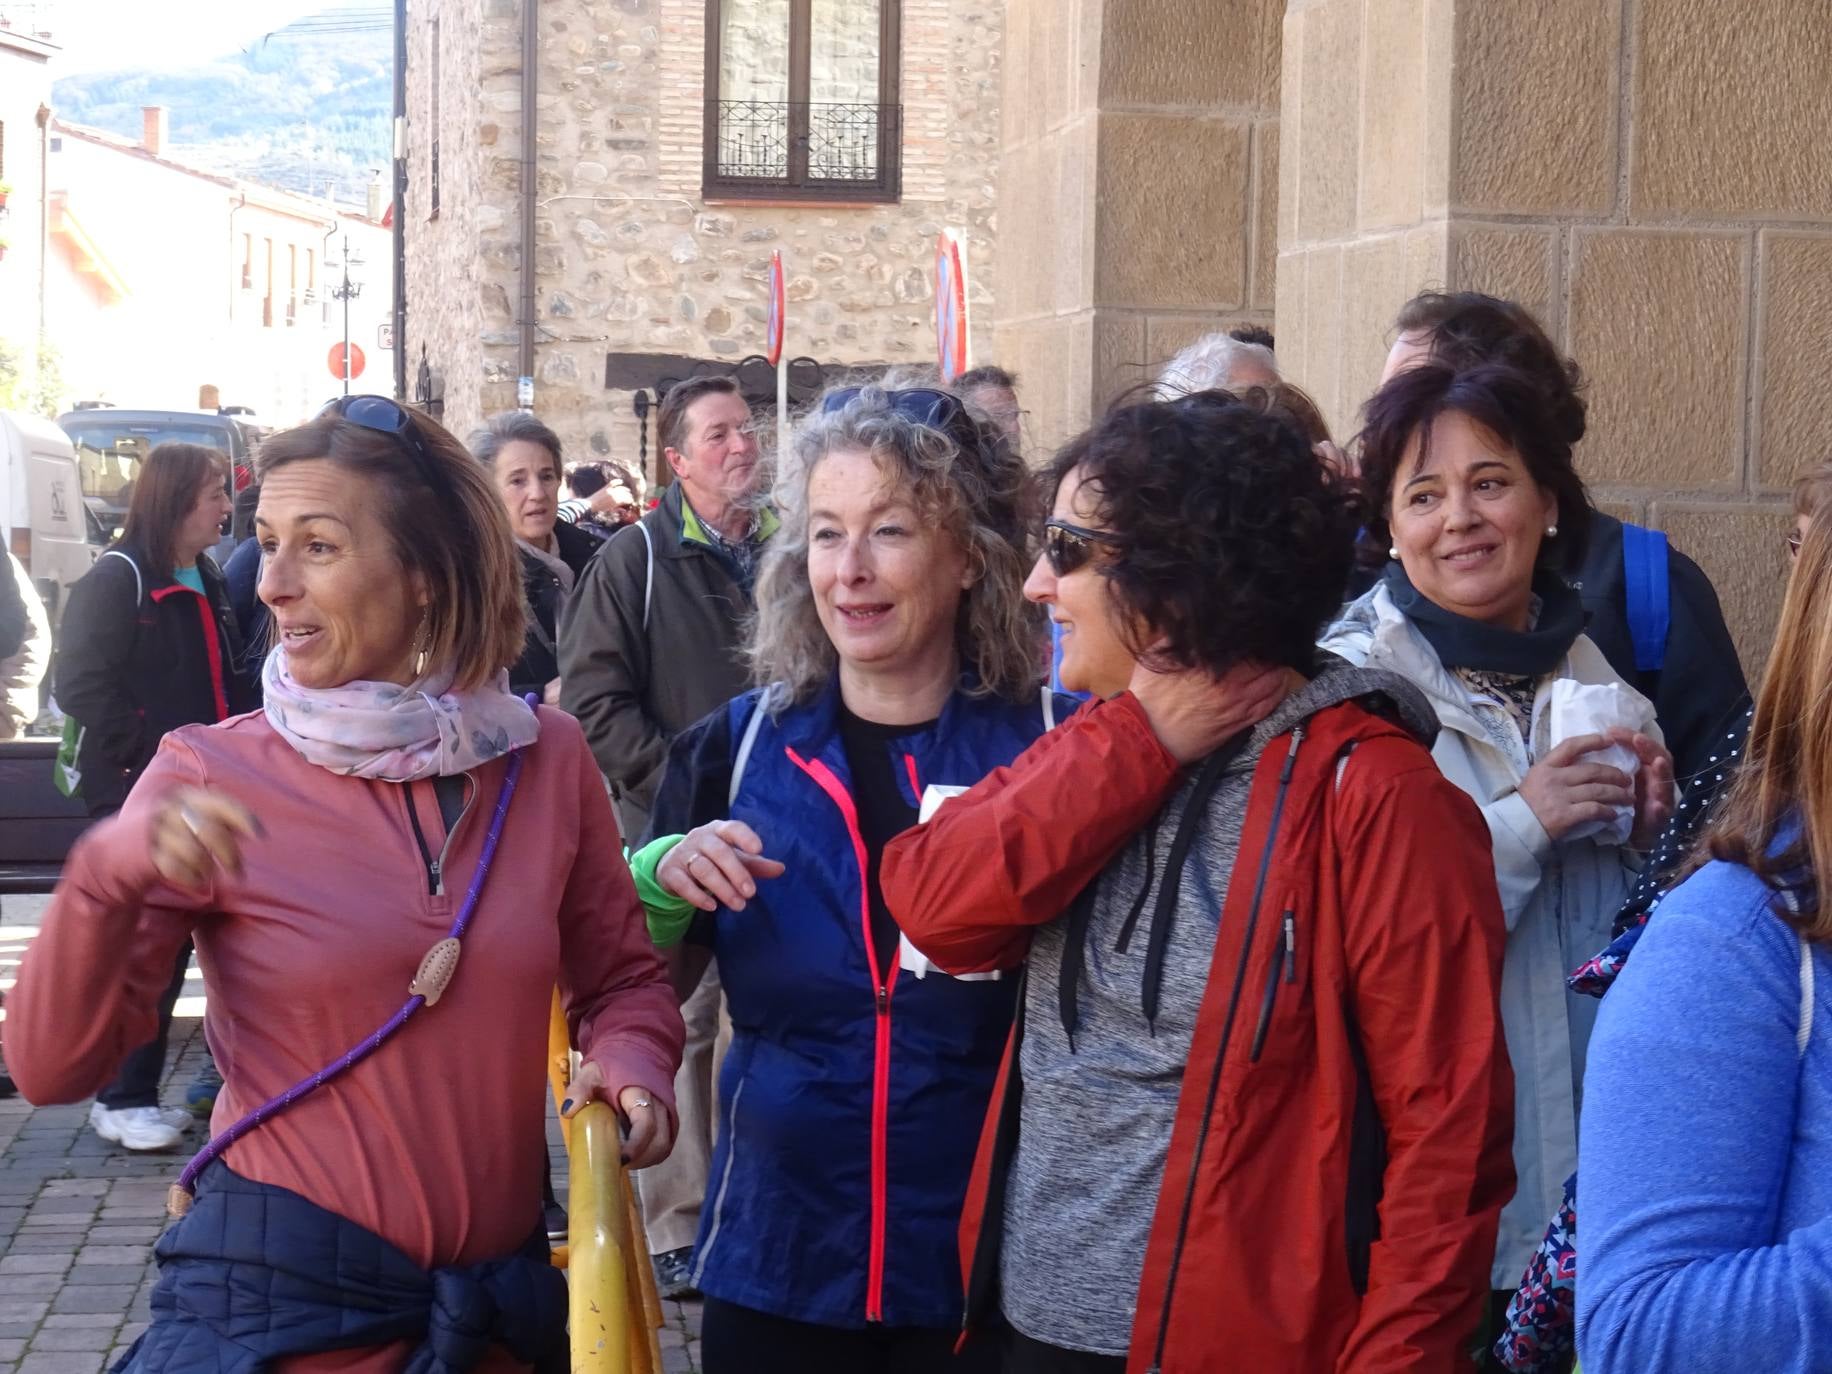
{"points": [[502, 430], [1210, 364]]}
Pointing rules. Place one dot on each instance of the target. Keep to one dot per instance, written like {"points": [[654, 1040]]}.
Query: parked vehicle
{"points": [[47, 525], [42, 511], [111, 443]]}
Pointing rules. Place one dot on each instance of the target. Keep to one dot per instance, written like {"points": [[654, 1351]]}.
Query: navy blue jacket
{"points": [[254, 1273], [849, 1110]]}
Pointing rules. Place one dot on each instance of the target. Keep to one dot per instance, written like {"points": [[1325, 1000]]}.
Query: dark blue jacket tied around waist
{"points": [[254, 1273]]}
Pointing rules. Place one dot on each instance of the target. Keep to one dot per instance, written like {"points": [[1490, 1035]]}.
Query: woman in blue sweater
{"points": [[1706, 1145]]}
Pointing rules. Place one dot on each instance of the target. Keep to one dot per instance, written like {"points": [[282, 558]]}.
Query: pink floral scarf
{"points": [[396, 734]]}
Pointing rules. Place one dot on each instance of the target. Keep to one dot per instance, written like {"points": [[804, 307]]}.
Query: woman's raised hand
{"points": [[717, 866], [1567, 789], [194, 834]]}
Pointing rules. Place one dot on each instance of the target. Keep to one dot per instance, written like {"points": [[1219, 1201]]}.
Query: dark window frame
{"points": [[797, 185]]}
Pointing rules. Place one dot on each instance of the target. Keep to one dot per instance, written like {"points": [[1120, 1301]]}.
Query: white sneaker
{"points": [[135, 1128], [178, 1118]]}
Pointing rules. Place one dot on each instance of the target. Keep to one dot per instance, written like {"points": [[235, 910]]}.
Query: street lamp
{"points": [[346, 291]]}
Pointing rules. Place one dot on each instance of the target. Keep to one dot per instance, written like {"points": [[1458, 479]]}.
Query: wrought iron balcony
{"points": [[762, 149]]}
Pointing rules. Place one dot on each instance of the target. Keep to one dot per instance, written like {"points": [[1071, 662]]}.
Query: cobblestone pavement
{"points": [[78, 1216]]}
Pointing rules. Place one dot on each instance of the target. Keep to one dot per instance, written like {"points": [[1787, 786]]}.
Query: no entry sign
{"points": [[337, 361], [950, 308]]}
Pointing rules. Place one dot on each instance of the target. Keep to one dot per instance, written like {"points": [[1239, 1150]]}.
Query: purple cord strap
{"points": [[274, 1106]]}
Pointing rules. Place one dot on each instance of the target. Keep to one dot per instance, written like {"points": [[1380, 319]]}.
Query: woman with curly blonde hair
{"points": [[900, 662]]}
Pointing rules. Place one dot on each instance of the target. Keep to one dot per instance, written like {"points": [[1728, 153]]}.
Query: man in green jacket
{"points": [[650, 642]]}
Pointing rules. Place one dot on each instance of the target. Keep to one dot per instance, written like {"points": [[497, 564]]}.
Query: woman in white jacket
{"points": [[1475, 492]]}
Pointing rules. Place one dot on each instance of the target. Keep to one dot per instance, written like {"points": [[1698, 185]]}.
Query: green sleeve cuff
{"points": [[669, 915]]}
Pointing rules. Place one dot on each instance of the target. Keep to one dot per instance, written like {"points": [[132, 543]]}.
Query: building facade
{"points": [[1647, 175], [164, 278], [676, 144], [26, 61]]}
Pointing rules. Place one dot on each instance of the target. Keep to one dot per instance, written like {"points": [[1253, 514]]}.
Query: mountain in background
{"points": [[310, 104]]}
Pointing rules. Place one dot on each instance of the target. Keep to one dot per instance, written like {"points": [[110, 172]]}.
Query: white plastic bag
{"points": [[1591, 708]]}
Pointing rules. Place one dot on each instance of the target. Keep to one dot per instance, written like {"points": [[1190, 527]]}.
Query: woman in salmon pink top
{"points": [[393, 817]]}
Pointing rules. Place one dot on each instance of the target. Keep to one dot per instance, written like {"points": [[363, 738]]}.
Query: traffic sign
{"points": [[337, 361], [384, 335], [773, 342], [950, 308]]}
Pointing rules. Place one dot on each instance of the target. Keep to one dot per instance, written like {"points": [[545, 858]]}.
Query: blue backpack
{"points": [[1646, 594]]}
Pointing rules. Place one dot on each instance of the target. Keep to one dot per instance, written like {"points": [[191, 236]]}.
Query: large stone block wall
{"points": [[631, 256], [1650, 176], [1138, 190]]}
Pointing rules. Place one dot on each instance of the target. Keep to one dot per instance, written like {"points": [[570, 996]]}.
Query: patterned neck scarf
{"points": [[396, 734]]}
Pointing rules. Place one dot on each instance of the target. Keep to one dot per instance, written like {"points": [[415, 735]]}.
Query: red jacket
{"points": [[1341, 1150]]}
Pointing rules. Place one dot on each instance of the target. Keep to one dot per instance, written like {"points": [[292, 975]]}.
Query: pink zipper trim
{"points": [[909, 763], [881, 1049]]}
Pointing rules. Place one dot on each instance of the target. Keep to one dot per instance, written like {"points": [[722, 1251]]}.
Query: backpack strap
{"points": [[1049, 709], [746, 743], [648, 585], [139, 583], [1644, 582]]}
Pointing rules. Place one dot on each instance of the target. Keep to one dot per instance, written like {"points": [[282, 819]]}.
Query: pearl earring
{"points": [[1552, 531], [1393, 552]]}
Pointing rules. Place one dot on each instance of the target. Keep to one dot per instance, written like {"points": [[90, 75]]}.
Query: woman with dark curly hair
{"points": [[1470, 480], [1249, 1018]]}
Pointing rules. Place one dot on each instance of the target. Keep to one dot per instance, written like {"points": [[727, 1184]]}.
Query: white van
{"points": [[42, 515]]}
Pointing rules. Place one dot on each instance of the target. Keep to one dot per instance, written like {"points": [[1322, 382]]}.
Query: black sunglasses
{"points": [[1069, 547], [927, 407], [385, 416]]}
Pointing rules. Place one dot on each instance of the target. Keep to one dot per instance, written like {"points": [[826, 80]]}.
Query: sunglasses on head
{"points": [[1069, 547], [924, 406], [385, 416]]}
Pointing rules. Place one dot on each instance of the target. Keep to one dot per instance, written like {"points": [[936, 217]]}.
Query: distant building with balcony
{"points": [[164, 277], [677, 142]]}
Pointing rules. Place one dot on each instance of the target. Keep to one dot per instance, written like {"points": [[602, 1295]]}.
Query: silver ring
{"points": [[189, 817], [692, 859], [640, 1102]]}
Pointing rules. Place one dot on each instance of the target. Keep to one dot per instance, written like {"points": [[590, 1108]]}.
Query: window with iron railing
{"points": [[802, 100]]}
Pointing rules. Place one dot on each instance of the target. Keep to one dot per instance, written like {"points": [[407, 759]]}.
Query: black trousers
{"points": [[137, 1082], [1025, 1356], [741, 1340]]}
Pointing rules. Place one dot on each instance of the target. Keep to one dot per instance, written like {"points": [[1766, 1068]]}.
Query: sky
{"points": [[107, 35]]}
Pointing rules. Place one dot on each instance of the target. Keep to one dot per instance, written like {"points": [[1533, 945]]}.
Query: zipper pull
{"points": [[1291, 947], [884, 1001], [1291, 755], [433, 872]]}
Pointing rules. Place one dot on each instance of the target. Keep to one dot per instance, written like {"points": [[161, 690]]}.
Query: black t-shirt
{"points": [[884, 813]]}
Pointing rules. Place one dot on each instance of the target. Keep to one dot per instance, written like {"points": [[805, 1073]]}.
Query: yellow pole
{"points": [[616, 1314], [597, 1272]]}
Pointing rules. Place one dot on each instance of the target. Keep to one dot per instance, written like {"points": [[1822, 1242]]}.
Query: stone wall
{"points": [[631, 256], [1136, 201], [1652, 177], [458, 262]]}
